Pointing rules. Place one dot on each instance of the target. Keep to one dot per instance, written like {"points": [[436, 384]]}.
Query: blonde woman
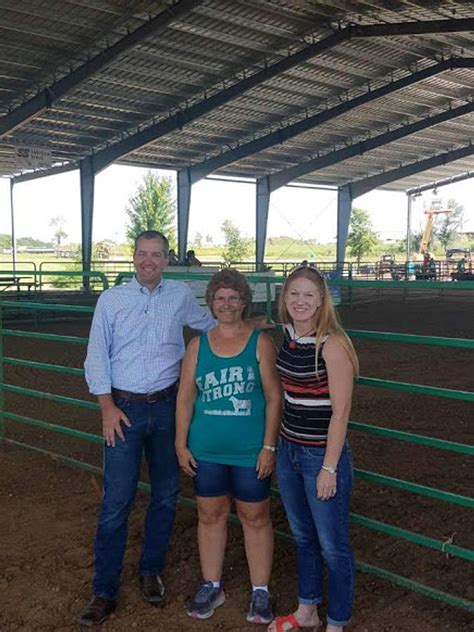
{"points": [[317, 364]]}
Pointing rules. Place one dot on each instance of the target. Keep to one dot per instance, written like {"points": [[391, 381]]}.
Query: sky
{"points": [[296, 212]]}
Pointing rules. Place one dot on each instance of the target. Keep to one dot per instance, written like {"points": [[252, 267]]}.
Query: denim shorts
{"points": [[217, 479]]}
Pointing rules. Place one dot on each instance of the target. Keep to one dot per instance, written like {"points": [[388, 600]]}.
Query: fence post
{"points": [[269, 300], [2, 418], [350, 275], [41, 277]]}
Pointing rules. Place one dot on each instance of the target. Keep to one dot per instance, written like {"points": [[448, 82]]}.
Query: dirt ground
{"points": [[49, 510]]}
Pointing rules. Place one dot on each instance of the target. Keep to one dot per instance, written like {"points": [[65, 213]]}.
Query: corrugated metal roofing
{"points": [[202, 48]]}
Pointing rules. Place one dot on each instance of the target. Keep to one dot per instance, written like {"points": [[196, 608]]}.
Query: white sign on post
{"points": [[33, 156]]}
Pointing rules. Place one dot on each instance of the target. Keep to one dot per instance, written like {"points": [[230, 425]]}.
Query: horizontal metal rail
{"points": [[406, 486], [363, 474], [40, 336], [466, 343], [410, 437], [332, 282], [204, 276], [420, 389], [353, 425], [43, 365], [60, 399], [63, 273], [399, 580], [403, 285], [414, 586], [422, 490], [50, 307], [255, 277], [70, 432], [441, 341], [414, 538]]}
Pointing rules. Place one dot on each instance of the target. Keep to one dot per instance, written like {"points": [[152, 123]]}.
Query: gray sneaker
{"points": [[260, 610], [205, 601]]}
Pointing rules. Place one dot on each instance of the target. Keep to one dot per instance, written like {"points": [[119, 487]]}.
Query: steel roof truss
{"points": [[281, 135], [178, 120], [279, 179], [47, 97], [359, 187]]}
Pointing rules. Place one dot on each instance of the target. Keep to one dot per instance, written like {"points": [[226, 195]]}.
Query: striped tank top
{"points": [[307, 406]]}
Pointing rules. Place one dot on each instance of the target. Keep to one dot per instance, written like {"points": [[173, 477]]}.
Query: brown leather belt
{"points": [[151, 398]]}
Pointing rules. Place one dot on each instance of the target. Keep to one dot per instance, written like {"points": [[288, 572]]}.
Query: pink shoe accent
{"points": [[289, 618]]}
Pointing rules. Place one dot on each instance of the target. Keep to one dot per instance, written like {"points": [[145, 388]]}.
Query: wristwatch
{"points": [[329, 468], [270, 448]]}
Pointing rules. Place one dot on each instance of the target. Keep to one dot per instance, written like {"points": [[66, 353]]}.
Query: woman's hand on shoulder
{"points": [[261, 322], [266, 348]]}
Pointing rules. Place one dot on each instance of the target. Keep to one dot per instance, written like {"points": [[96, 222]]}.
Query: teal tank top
{"points": [[228, 423]]}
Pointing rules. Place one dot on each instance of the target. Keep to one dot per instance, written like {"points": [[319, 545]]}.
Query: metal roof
{"points": [[321, 92]]}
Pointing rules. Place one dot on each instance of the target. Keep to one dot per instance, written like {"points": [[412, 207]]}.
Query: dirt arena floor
{"points": [[49, 509]]}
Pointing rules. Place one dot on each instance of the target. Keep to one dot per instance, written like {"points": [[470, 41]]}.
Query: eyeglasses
{"points": [[221, 300]]}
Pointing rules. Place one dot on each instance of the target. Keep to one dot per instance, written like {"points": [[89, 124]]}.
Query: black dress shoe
{"points": [[152, 589], [97, 611]]}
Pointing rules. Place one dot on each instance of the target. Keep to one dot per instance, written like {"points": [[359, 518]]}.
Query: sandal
{"points": [[293, 621]]}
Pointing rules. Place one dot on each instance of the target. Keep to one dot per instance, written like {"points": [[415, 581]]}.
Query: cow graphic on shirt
{"points": [[224, 386]]}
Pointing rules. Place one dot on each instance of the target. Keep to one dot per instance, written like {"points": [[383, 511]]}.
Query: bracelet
{"points": [[329, 468], [270, 448]]}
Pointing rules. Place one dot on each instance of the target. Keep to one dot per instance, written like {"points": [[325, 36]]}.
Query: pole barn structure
{"points": [[353, 94]]}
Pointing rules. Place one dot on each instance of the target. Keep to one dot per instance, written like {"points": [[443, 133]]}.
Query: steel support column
{"points": [[408, 252], [87, 206], [12, 211], [184, 203], [344, 208], [263, 202]]}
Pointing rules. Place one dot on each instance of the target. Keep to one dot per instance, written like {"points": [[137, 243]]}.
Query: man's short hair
{"points": [[152, 234]]}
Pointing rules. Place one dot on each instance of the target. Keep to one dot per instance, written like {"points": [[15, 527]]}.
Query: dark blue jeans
{"points": [[152, 431], [320, 527]]}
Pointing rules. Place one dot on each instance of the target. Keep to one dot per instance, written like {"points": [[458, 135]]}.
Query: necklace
{"points": [[292, 343]]}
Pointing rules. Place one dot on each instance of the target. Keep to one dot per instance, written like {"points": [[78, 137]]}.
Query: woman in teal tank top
{"points": [[227, 422]]}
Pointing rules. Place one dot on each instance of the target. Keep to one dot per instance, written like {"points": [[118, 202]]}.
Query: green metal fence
{"points": [[33, 279], [373, 477]]}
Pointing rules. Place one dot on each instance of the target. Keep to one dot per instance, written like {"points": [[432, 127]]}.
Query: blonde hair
{"points": [[326, 320]]}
